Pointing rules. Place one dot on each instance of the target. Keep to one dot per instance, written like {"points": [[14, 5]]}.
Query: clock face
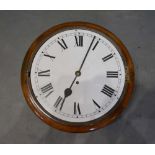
{"points": [[77, 75]]}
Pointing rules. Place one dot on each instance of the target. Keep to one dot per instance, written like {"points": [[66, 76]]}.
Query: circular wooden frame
{"points": [[99, 123]]}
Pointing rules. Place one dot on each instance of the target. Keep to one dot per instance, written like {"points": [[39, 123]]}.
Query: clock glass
{"points": [[77, 75]]}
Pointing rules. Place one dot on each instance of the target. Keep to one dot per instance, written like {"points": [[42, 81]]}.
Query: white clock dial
{"points": [[77, 76]]}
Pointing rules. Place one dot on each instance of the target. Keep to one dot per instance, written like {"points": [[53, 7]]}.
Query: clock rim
{"points": [[113, 113]]}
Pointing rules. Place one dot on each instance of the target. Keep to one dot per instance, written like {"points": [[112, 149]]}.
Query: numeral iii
{"points": [[112, 74]]}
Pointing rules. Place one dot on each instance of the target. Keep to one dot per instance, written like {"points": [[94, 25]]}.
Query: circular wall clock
{"points": [[77, 77]]}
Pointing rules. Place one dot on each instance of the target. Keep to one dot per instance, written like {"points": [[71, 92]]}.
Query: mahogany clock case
{"points": [[81, 127]]}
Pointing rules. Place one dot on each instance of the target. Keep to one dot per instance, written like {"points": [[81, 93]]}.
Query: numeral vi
{"points": [[77, 109]]}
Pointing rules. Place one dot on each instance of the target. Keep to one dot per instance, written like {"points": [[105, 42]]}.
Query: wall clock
{"points": [[77, 77]]}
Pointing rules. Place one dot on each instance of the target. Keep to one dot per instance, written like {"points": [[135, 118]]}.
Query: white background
{"points": [[77, 5]]}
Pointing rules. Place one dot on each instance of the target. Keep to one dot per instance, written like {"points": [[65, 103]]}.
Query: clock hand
{"points": [[86, 54], [78, 73], [68, 91]]}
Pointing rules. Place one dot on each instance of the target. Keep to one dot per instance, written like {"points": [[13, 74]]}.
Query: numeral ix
{"points": [[47, 89]]}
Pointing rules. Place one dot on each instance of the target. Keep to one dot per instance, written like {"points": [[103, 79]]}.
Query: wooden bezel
{"points": [[99, 123]]}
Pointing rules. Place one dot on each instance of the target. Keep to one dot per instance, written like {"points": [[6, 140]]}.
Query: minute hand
{"points": [[86, 54], [68, 91]]}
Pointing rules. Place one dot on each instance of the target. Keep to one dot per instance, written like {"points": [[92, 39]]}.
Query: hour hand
{"points": [[67, 93]]}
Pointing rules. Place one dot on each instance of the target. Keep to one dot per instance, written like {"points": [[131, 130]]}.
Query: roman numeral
{"points": [[77, 109], [47, 89], [112, 74], [62, 44], [107, 57], [58, 101], [108, 91], [44, 73], [79, 40], [96, 104], [47, 55], [95, 45]]}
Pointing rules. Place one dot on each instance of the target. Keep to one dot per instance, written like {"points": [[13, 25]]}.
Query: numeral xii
{"points": [[79, 40]]}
